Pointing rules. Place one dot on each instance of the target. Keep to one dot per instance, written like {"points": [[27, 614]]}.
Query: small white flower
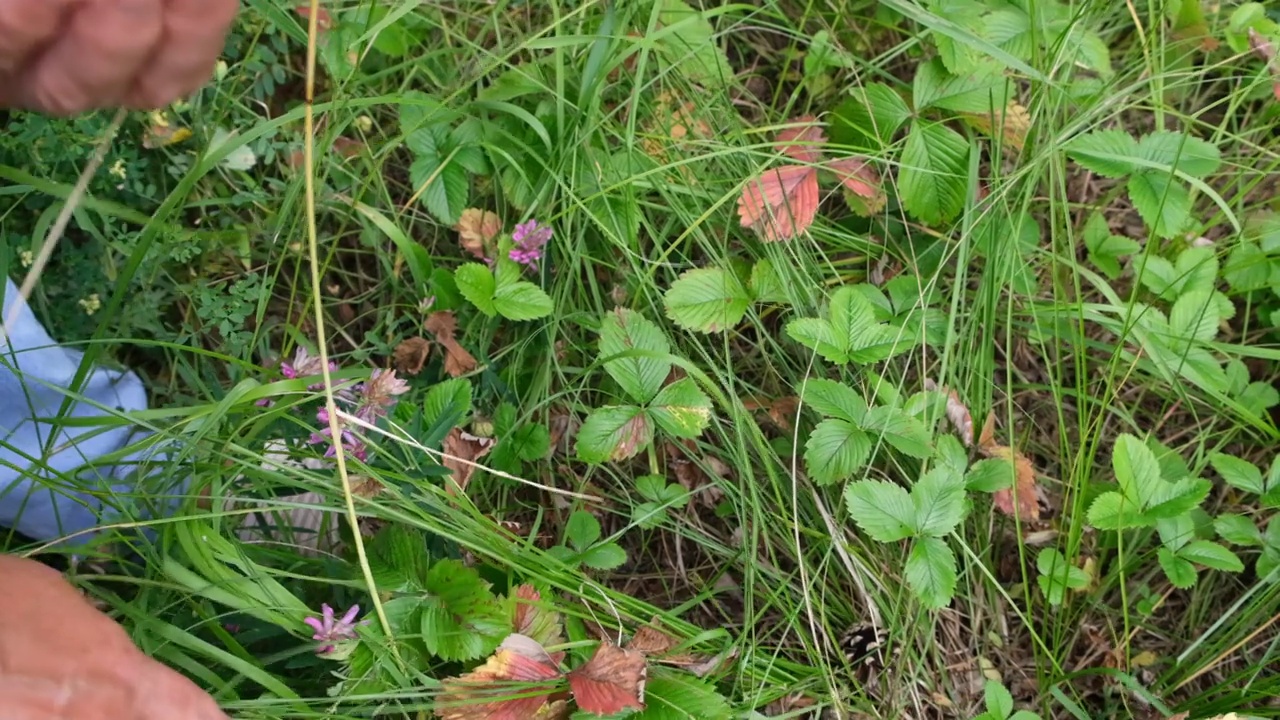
{"points": [[91, 304]]}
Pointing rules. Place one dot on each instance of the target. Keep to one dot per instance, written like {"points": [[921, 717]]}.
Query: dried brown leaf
{"points": [[1027, 506], [611, 681], [411, 355], [477, 230], [957, 414], [457, 361], [461, 450], [802, 141], [781, 203]]}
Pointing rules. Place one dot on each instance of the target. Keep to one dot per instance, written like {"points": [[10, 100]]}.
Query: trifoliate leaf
{"points": [[1113, 511], [874, 112], [883, 510], [681, 409], [931, 572], [640, 376], [933, 177], [614, 433], [582, 530], [707, 300], [1194, 317], [835, 451], [858, 333], [818, 335], [1105, 249]]}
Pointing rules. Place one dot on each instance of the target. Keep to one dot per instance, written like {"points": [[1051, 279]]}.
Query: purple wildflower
{"points": [[330, 630], [305, 365], [529, 238]]}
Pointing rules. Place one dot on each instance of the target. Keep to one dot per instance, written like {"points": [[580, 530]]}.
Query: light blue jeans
{"points": [[51, 483]]}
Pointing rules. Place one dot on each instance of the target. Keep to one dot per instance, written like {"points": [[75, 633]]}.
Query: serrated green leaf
{"points": [[530, 442], [1211, 555], [681, 409], [767, 284], [865, 339], [998, 700], [933, 177], [833, 399], [689, 43], [477, 285], [607, 556], [447, 403], [461, 619], [1112, 511], [1108, 153], [874, 112], [980, 92], [1238, 473], [1181, 574], [1163, 202], [905, 433], [640, 377], [835, 450], [990, 475], [522, 300], [680, 696], [707, 300], [938, 498], [614, 433], [1137, 470], [1192, 156], [443, 189], [931, 572], [1106, 249], [1237, 529], [883, 510], [1248, 268], [818, 335], [1194, 316], [582, 530], [1177, 498]]}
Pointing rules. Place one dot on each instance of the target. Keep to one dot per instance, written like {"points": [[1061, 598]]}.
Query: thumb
{"points": [[26, 26]]}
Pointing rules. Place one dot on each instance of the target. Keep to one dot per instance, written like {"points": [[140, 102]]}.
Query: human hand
{"points": [[60, 658], [65, 57]]}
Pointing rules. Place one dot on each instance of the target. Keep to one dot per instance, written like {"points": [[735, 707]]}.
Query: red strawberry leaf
{"points": [[781, 203], [803, 140], [611, 681]]}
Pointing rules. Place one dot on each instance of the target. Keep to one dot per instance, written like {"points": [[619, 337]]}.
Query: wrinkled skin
{"points": [[61, 659], [64, 57]]}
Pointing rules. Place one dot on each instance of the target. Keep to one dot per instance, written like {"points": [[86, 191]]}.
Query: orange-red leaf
{"points": [[802, 141], [461, 452], [857, 175], [514, 684], [1024, 474], [532, 617], [457, 361], [324, 21], [611, 681], [781, 203]]}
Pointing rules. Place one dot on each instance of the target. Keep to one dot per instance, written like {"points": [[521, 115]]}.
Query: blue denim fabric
{"points": [[50, 490]]}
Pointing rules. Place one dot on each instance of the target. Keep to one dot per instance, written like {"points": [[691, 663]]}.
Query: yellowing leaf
{"points": [[1012, 124], [477, 230], [514, 684]]}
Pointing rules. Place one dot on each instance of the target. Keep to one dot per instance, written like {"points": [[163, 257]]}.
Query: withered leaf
{"points": [[411, 354], [477, 230], [457, 361], [162, 133], [461, 450], [610, 682], [781, 203], [515, 683], [802, 140], [1012, 124], [1027, 506], [957, 414]]}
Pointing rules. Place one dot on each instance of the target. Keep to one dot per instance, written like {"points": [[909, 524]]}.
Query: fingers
{"points": [[25, 26], [95, 59], [194, 33]]}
